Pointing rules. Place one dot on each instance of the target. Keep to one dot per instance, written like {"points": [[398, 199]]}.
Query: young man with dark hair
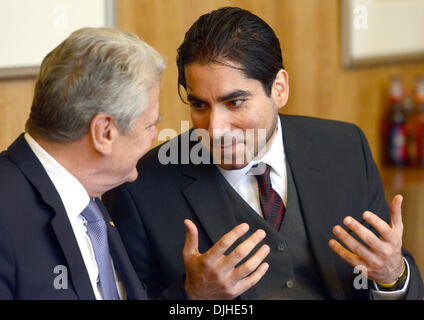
{"points": [[259, 216]]}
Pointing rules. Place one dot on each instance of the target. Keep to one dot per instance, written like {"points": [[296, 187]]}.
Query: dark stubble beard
{"points": [[258, 150], [269, 135]]}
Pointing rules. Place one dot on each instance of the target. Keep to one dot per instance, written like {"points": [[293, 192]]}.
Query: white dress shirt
{"points": [[75, 199], [246, 185]]}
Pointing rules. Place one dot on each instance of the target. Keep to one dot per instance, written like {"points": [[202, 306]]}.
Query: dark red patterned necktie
{"points": [[272, 206]]}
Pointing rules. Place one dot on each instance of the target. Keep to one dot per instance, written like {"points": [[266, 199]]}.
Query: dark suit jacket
{"points": [[335, 176], [36, 236]]}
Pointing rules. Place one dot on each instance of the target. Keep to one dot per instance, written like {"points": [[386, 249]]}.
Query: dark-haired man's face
{"points": [[240, 118]]}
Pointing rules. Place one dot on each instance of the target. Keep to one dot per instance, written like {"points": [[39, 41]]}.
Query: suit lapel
{"points": [[134, 289], [310, 174], [208, 199], [22, 155]]}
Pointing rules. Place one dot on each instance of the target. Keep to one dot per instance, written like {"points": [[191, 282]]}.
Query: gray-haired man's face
{"points": [[130, 147]]}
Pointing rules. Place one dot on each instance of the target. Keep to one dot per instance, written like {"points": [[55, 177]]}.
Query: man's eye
{"points": [[236, 103], [197, 105]]}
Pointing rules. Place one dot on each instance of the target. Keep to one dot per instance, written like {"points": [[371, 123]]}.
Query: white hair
{"points": [[95, 70]]}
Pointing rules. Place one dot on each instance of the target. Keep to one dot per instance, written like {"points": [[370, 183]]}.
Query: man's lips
{"points": [[228, 146], [224, 147]]}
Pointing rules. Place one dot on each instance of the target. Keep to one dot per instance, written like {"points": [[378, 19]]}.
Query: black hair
{"points": [[236, 35]]}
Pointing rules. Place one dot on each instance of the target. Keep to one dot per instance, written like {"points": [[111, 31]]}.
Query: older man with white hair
{"points": [[93, 116]]}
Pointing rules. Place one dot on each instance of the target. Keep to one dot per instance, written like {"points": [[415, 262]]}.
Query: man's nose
{"points": [[154, 132], [219, 122]]}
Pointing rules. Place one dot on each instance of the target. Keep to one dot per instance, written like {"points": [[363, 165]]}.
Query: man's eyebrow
{"points": [[232, 95], [235, 94]]}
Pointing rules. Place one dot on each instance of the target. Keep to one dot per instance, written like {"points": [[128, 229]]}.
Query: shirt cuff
{"points": [[392, 295]]}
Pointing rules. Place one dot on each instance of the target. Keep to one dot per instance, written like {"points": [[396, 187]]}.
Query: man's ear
{"points": [[280, 88], [103, 132]]}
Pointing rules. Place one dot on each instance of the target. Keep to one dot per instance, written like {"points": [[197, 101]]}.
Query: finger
{"points": [[191, 245], [346, 255], [364, 234], [251, 264], [396, 211], [353, 245], [248, 282], [385, 231], [227, 241], [243, 249]]}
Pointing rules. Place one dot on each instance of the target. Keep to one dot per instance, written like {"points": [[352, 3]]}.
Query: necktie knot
{"points": [[264, 180], [92, 213]]}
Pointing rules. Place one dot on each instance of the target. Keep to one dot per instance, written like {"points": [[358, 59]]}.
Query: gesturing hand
{"points": [[383, 258], [213, 275]]}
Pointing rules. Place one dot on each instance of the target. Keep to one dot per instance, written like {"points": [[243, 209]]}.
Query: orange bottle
{"points": [[395, 129]]}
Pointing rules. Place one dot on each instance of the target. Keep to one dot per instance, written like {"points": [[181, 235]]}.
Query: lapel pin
{"points": [[112, 224]]}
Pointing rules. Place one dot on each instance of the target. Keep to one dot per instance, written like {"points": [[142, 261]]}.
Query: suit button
{"points": [[290, 283], [281, 246]]}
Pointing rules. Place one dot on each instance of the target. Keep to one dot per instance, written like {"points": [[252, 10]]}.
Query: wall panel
{"points": [[309, 31]]}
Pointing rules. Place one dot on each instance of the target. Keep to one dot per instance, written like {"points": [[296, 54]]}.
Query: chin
{"points": [[232, 159], [232, 166], [132, 176]]}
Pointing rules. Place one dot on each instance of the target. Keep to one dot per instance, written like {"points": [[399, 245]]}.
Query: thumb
{"points": [[396, 211], [191, 245]]}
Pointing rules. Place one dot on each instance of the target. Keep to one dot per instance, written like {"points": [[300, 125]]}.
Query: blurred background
{"points": [[379, 95]]}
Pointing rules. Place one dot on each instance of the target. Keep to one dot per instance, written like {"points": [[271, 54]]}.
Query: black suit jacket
{"points": [[335, 176], [36, 236]]}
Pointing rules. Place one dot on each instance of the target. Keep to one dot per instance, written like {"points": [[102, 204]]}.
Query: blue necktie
{"points": [[96, 228]]}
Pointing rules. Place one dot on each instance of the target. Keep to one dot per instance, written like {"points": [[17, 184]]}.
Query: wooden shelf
{"points": [[396, 178]]}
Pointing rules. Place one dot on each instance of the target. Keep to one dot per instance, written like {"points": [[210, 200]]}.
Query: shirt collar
{"points": [[274, 157], [73, 194]]}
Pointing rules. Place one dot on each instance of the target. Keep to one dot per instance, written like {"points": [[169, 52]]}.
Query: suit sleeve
{"points": [[7, 266], [377, 204], [128, 219]]}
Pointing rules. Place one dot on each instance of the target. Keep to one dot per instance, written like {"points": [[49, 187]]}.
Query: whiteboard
{"points": [[30, 29], [375, 31]]}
